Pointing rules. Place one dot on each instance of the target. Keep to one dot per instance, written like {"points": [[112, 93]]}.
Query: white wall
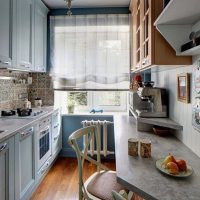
{"points": [[178, 111]]}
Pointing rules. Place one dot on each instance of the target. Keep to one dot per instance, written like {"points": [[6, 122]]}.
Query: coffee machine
{"points": [[150, 102]]}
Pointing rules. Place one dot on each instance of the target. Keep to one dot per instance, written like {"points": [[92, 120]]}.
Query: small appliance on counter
{"points": [[149, 102], [38, 102], [27, 104], [23, 112]]}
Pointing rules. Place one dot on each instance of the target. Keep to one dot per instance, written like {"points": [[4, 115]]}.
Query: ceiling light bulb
{"points": [[69, 12]]}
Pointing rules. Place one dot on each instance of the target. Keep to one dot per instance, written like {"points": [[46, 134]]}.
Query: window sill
{"points": [[95, 114]]}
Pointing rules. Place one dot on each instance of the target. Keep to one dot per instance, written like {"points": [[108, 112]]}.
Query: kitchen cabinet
{"points": [[26, 158], [149, 48], [7, 17], [40, 36], [7, 170], [181, 18], [24, 163], [25, 33], [56, 133]]}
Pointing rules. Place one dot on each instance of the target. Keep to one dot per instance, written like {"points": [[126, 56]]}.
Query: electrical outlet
{"points": [[30, 80]]}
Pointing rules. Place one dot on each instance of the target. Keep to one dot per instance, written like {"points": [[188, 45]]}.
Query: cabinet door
{"points": [[7, 170], [40, 36], [147, 36], [136, 34], [25, 170], [56, 133], [25, 11], [6, 33]]}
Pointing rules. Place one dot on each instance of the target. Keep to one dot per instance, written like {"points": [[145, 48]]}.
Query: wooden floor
{"points": [[61, 183]]}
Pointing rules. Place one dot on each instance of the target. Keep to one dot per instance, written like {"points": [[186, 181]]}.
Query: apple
{"points": [[169, 158], [172, 168], [181, 165]]}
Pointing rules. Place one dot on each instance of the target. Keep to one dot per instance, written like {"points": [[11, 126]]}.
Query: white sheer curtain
{"points": [[90, 51]]}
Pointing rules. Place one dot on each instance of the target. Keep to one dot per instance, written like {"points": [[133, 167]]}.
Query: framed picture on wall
{"points": [[183, 87]]}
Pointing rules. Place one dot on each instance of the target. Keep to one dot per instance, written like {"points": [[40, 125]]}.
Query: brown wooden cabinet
{"points": [[148, 47]]}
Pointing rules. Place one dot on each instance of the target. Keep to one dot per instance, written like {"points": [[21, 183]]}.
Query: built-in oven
{"points": [[44, 141]]}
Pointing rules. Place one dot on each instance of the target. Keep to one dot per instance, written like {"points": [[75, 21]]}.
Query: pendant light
{"points": [[69, 5]]}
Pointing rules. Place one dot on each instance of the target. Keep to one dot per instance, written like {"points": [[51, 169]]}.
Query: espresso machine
{"points": [[150, 102]]}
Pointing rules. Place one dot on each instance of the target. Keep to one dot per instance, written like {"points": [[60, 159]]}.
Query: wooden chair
{"points": [[100, 185]]}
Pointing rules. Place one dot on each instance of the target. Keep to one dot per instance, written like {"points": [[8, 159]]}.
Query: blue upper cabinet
{"points": [[7, 9], [31, 33], [40, 36], [25, 19]]}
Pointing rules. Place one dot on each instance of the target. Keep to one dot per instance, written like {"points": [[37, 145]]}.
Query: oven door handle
{"points": [[44, 131]]}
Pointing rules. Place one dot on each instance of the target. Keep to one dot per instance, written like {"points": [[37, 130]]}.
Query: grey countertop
{"points": [[140, 174], [12, 126]]}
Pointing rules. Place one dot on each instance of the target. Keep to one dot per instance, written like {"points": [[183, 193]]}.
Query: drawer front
{"points": [[56, 143], [43, 123], [55, 118], [56, 133]]}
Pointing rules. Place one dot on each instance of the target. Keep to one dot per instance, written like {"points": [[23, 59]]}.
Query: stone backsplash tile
{"points": [[42, 87], [10, 90]]}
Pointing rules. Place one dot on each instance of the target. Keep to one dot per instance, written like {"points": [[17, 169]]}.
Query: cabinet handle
{"points": [[3, 147], [45, 168], [56, 126], [5, 62], [24, 65], [27, 133], [144, 62], [55, 138]]}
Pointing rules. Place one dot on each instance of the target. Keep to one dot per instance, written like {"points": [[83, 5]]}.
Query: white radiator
{"points": [[100, 124]]}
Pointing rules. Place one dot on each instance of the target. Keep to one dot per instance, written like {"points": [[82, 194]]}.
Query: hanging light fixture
{"points": [[69, 5]]}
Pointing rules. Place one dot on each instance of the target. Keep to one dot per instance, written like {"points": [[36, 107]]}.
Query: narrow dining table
{"points": [[141, 176]]}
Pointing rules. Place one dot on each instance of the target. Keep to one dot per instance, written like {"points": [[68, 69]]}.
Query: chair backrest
{"points": [[82, 155]]}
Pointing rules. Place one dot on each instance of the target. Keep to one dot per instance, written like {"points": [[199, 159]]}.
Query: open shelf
{"points": [[177, 21], [180, 12]]}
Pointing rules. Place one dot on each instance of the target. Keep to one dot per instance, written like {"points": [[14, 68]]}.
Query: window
{"points": [[86, 101], [90, 52]]}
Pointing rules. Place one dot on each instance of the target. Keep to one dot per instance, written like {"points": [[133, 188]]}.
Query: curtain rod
{"points": [[91, 11]]}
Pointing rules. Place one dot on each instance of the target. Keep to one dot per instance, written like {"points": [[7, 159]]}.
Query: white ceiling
{"points": [[87, 3]]}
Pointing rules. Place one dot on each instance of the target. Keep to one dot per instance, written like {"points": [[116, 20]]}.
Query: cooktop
{"points": [[23, 113]]}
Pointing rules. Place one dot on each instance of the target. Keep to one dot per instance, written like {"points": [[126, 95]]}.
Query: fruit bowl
{"points": [[181, 174]]}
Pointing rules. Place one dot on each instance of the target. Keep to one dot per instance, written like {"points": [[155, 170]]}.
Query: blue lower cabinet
{"points": [[24, 163], [7, 170]]}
